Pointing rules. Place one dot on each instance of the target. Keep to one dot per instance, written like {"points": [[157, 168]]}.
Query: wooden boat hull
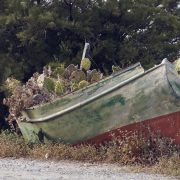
{"points": [[128, 104], [167, 126]]}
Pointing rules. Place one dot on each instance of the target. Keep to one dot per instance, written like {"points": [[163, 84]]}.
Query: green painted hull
{"points": [[127, 98]]}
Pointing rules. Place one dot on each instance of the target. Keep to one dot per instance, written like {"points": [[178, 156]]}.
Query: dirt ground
{"points": [[23, 169]]}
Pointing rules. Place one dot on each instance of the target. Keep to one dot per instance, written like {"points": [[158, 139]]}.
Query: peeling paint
{"points": [[119, 99], [146, 97]]}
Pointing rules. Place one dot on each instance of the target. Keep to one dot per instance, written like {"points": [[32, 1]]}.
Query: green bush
{"points": [[85, 64], [59, 87], [83, 84], [49, 84]]}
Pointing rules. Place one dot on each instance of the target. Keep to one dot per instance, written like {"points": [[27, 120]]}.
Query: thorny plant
{"points": [[159, 154], [26, 96], [42, 88], [133, 147]]}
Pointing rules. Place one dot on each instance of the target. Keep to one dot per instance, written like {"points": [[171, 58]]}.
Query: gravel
{"points": [[23, 169]]}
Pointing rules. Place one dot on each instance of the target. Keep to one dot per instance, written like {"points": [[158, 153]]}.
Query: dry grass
{"points": [[168, 165], [158, 155], [12, 146]]}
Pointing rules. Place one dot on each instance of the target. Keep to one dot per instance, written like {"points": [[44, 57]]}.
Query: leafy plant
{"points": [[24, 97], [11, 84], [83, 84], [59, 87], [49, 84], [56, 80], [85, 64]]}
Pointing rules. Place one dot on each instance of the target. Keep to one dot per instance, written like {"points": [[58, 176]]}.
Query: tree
{"points": [[121, 32]]}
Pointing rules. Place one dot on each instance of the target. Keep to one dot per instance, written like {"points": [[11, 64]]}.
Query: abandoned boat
{"points": [[127, 102]]}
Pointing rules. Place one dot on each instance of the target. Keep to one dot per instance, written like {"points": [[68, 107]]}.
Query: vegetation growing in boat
{"points": [[83, 84], [59, 87], [115, 69], [11, 84], [85, 64], [56, 80], [49, 84]]}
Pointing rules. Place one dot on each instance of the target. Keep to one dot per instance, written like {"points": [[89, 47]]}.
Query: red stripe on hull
{"points": [[163, 126]]}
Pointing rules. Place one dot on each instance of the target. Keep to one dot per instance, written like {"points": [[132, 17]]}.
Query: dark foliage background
{"points": [[121, 32]]}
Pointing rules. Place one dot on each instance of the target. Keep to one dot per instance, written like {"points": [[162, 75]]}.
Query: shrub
{"points": [[85, 64], [83, 84], [59, 87], [49, 84]]}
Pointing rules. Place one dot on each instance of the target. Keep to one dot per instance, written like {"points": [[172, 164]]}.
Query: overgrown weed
{"points": [[12, 145], [158, 154]]}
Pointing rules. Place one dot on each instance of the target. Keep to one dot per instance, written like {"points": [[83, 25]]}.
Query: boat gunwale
{"points": [[72, 108], [93, 84], [170, 84]]}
